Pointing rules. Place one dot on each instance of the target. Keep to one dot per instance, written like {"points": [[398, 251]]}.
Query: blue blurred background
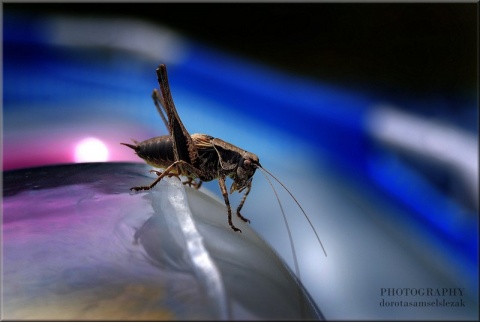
{"points": [[367, 112]]}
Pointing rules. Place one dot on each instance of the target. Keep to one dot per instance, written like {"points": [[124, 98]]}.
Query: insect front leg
{"points": [[239, 215], [160, 105], [223, 188]]}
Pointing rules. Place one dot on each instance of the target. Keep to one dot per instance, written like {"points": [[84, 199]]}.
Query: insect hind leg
{"points": [[192, 183], [168, 173], [160, 105], [161, 175]]}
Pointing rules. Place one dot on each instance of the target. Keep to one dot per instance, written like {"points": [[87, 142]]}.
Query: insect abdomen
{"points": [[157, 151]]}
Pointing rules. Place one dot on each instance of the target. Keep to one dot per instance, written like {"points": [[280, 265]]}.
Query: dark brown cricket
{"points": [[196, 156], [201, 157]]}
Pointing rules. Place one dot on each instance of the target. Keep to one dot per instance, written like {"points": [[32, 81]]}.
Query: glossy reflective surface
{"points": [[79, 245]]}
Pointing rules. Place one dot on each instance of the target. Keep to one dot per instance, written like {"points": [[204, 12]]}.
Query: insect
{"points": [[200, 157]]}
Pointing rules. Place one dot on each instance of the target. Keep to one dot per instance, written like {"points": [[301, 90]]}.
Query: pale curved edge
{"points": [[204, 267]]}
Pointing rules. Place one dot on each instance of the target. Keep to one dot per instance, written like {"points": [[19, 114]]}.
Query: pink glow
{"points": [[38, 147]]}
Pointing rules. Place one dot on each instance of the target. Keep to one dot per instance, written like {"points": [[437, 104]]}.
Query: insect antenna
{"points": [[290, 239], [298, 204]]}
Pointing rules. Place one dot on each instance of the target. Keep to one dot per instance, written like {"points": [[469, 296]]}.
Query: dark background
{"points": [[420, 48]]}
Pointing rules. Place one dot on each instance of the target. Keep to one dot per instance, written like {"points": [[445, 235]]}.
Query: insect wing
{"points": [[202, 141]]}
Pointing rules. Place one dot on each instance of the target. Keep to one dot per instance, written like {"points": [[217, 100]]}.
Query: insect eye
{"points": [[247, 163]]}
